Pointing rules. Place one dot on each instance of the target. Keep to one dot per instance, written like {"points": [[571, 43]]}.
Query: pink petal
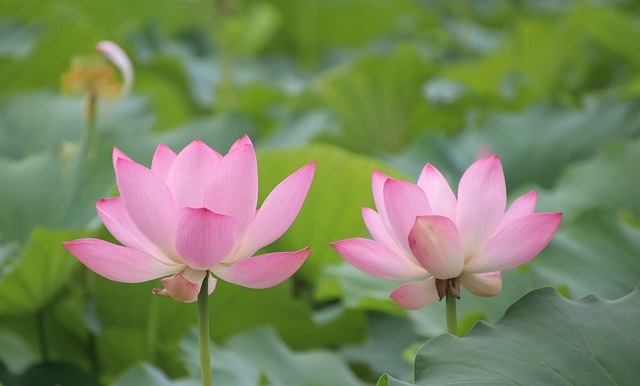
{"points": [[245, 140], [185, 287], [115, 217], [517, 243], [162, 161], [482, 284], [380, 232], [204, 238], [117, 153], [524, 205], [435, 242], [119, 263], [377, 186], [119, 58], [149, 204], [404, 202], [279, 210], [415, 295], [439, 194], [377, 260], [481, 202], [264, 270], [233, 187], [191, 173]]}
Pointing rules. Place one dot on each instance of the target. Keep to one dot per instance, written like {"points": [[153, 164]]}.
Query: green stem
{"points": [[152, 329], [203, 332], [92, 329], [42, 336], [452, 314], [91, 115]]}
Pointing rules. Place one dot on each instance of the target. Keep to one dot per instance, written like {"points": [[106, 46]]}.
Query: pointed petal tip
{"points": [[241, 143], [116, 262], [376, 259], [378, 175], [415, 295], [118, 154], [264, 271], [116, 55], [180, 288]]}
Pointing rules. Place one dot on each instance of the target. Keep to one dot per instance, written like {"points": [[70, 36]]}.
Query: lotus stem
{"points": [[42, 336], [203, 332], [452, 314]]}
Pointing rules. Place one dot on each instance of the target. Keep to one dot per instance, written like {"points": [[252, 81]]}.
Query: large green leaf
{"points": [[378, 99], [15, 354], [537, 144], [595, 254], [383, 352], [311, 28], [607, 180], [144, 374], [605, 26], [17, 39], [543, 339], [43, 268], [54, 373]]}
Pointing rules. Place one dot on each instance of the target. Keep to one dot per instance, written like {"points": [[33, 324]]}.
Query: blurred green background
{"points": [[359, 85]]}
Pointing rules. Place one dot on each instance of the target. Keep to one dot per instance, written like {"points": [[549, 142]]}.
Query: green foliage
{"points": [[43, 268], [357, 86], [543, 338], [377, 100]]}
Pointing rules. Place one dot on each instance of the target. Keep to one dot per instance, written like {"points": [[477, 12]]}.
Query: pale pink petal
{"points": [[482, 284], [377, 260], [481, 202], [439, 194], [404, 202], [415, 295], [437, 246], [380, 232], [162, 161], [377, 186], [117, 153], [119, 58], [279, 210], [204, 238], [149, 204], [119, 263], [114, 216], [263, 271], [191, 173], [185, 287], [524, 205], [245, 140], [233, 187], [517, 243]]}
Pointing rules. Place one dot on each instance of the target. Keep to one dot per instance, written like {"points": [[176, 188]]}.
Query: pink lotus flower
{"points": [[424, 235], [195, 212]]}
